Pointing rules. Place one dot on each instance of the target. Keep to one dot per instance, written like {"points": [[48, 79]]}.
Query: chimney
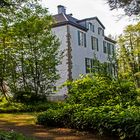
{"points": [[61, 9]]}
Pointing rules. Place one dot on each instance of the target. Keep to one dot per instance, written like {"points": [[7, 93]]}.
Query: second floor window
{"points": [[94, 43], [81, 38]]}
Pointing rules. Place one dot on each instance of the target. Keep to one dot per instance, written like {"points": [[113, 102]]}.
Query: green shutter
{"points": [[79, 38], [86, 66], [97, 44], [92, 43], [85, 42]]}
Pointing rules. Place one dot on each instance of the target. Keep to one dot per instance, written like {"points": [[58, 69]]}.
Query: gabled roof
{"points": [[92, 18], [64, 18]]}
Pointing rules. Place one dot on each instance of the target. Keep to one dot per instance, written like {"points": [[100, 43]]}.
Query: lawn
{"points": [[25, 124]]}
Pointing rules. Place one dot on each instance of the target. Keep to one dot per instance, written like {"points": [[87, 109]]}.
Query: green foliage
{"points": [[98, 90], [29, 51], [114, 120], [130, 7], [14, 107], [129, 54], [101, 104], [29, 98], [12, 136]]}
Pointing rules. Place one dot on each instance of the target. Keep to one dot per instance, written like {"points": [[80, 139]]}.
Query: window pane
{"points": [[81, 39], [109, 48]]}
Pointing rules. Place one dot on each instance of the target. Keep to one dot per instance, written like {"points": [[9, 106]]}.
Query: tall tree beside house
{"points": [[28, 49], [129, 53], [131, 7]]}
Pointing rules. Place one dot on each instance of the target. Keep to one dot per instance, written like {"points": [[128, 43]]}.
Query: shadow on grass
{"points": [[19, 123]]}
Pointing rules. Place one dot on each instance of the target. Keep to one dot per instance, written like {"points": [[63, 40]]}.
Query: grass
{"points": [[21, 119]]}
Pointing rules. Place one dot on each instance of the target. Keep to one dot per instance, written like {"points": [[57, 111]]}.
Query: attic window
{"points": [[100, 31], [91, 26]]}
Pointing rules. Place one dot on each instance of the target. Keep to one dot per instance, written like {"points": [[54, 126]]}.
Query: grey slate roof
{"points": [[63, 19]]}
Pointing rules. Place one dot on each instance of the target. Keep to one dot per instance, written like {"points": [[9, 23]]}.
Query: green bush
{"points": [[12, 136], [13, 107], [100, 91], [114, 120], [59, 117], [101, 104], [29, 97]]}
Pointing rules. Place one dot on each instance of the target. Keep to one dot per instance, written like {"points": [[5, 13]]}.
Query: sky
{"points": [[114, 21]]}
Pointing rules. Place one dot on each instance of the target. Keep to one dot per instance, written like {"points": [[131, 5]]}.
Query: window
{"points": [[108, 48], [100, 31], [81, 39], [108, 68], [104, 47], [87, 65], [113, 49], [94, 43], [91, 65], [91, 27]]}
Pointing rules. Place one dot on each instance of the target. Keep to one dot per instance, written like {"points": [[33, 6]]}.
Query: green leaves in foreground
{"points": [[101, 104], [12, 136]]}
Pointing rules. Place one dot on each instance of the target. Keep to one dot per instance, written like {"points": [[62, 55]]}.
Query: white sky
{"points": [[90, 8]]}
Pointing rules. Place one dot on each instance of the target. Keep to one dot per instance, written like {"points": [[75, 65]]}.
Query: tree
{"points": [[29, 52], [131, 7], [4, 3], [129, 54]]}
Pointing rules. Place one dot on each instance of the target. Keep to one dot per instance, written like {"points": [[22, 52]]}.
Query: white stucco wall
{"points": [[61, 33], [79, 53]]}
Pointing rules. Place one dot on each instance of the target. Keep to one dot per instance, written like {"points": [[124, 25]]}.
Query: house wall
{"points": [[78, 53], [61, 33]]}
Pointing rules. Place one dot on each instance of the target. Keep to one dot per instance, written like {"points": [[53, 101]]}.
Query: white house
{"points": [[80, 40]]}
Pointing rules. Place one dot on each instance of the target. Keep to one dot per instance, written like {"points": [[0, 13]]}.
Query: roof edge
{"points": [[92, 19], [111, 40], [70, 23]]}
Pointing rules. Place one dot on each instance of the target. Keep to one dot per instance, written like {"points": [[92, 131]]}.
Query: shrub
{"points": [[100, 91], [102, 104], [59, 117], [28, 97], [13, 107], [114, 120]]}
